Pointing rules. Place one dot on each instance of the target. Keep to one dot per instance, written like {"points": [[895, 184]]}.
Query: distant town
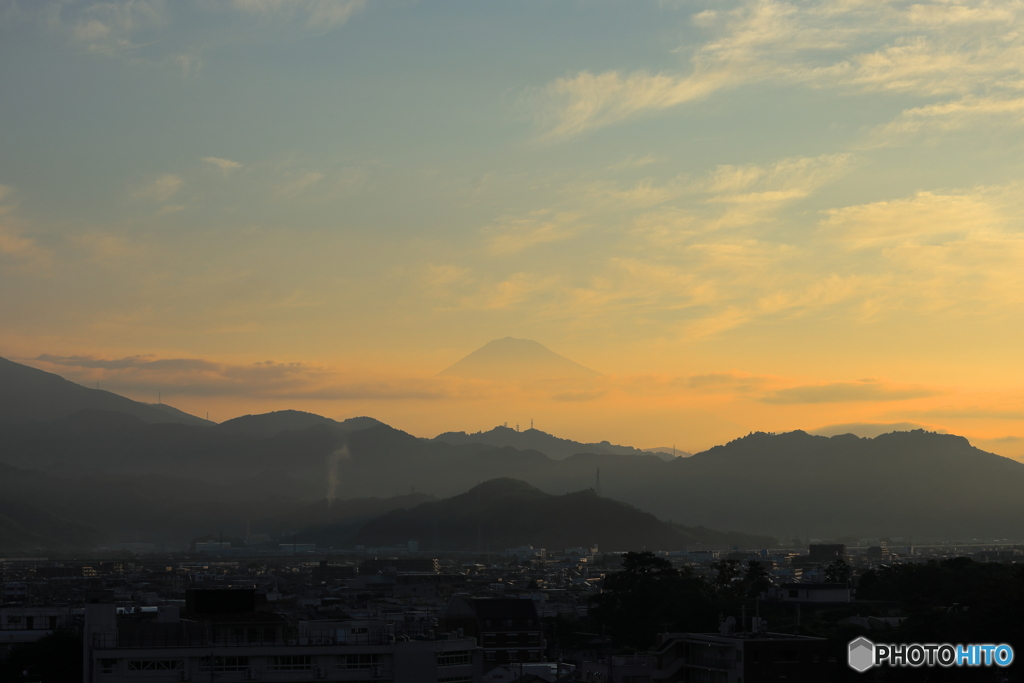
{"points": [[284, 612]]}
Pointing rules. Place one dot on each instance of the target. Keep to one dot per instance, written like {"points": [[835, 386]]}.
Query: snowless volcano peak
{"points": [[517, 359]]}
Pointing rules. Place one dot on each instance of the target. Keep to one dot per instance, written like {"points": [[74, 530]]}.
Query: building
{"points": [[394, 565], [206, 643], [618, 669], [825, 553], [811, 592], [743, 657], [29, 623], [508, 629]]}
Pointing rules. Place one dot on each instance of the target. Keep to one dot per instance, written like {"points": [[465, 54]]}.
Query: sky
{"points": [[747, 216]]}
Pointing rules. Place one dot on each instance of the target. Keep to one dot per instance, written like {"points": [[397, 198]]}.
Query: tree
{"points": [[757, 578], [54, 658], [838, 572], [650, 596], [727, 570]]}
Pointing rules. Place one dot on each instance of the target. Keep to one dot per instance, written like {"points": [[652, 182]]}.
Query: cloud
{"points": [[926, 49], [263, 380], [317, 15], [14, 245], [966, 112], [924, 215], [226, 165], [161, 189], [843, 392], [633, 162], [1004, 440], [727, 381], [590, 100], [970, 414], [510, 292], [293, 188], [512, 236], [108, 28]]}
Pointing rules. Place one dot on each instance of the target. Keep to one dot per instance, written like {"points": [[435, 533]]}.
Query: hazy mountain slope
{"points": [[535, 439], [31, 395], [518, 359], [335, 523], [25, 527], [150, 508], [100, 441], [506, 513]]}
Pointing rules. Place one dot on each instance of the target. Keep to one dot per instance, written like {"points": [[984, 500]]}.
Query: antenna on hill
{"points": [[531, 423], [517, 426]]}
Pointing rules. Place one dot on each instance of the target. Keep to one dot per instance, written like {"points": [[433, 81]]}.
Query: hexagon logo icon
{"points": [[861, 654]]}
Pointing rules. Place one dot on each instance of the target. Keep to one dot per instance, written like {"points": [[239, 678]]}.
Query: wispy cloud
{"points": [[15, 246], [944, 117], [161, 189], [317, 15], [265, 380], [298, 185], [110, 28], [226, 165], [517, 234], [929, 49], [844, 392]]}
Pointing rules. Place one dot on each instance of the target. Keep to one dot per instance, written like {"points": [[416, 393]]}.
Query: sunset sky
{"points": [[746, 215]]}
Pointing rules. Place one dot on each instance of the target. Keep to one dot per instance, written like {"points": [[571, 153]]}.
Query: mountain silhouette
{"points": [[269, 424], [31, 395], [535, 439], [511, 359], [278, 421], [507, 513]]}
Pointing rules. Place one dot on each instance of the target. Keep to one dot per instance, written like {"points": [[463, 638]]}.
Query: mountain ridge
{"points": [[28, 394]]}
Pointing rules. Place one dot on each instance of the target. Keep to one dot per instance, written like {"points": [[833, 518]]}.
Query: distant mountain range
{"points": [[670, 451], [534, 439], [512, 359], [132, 471]]}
